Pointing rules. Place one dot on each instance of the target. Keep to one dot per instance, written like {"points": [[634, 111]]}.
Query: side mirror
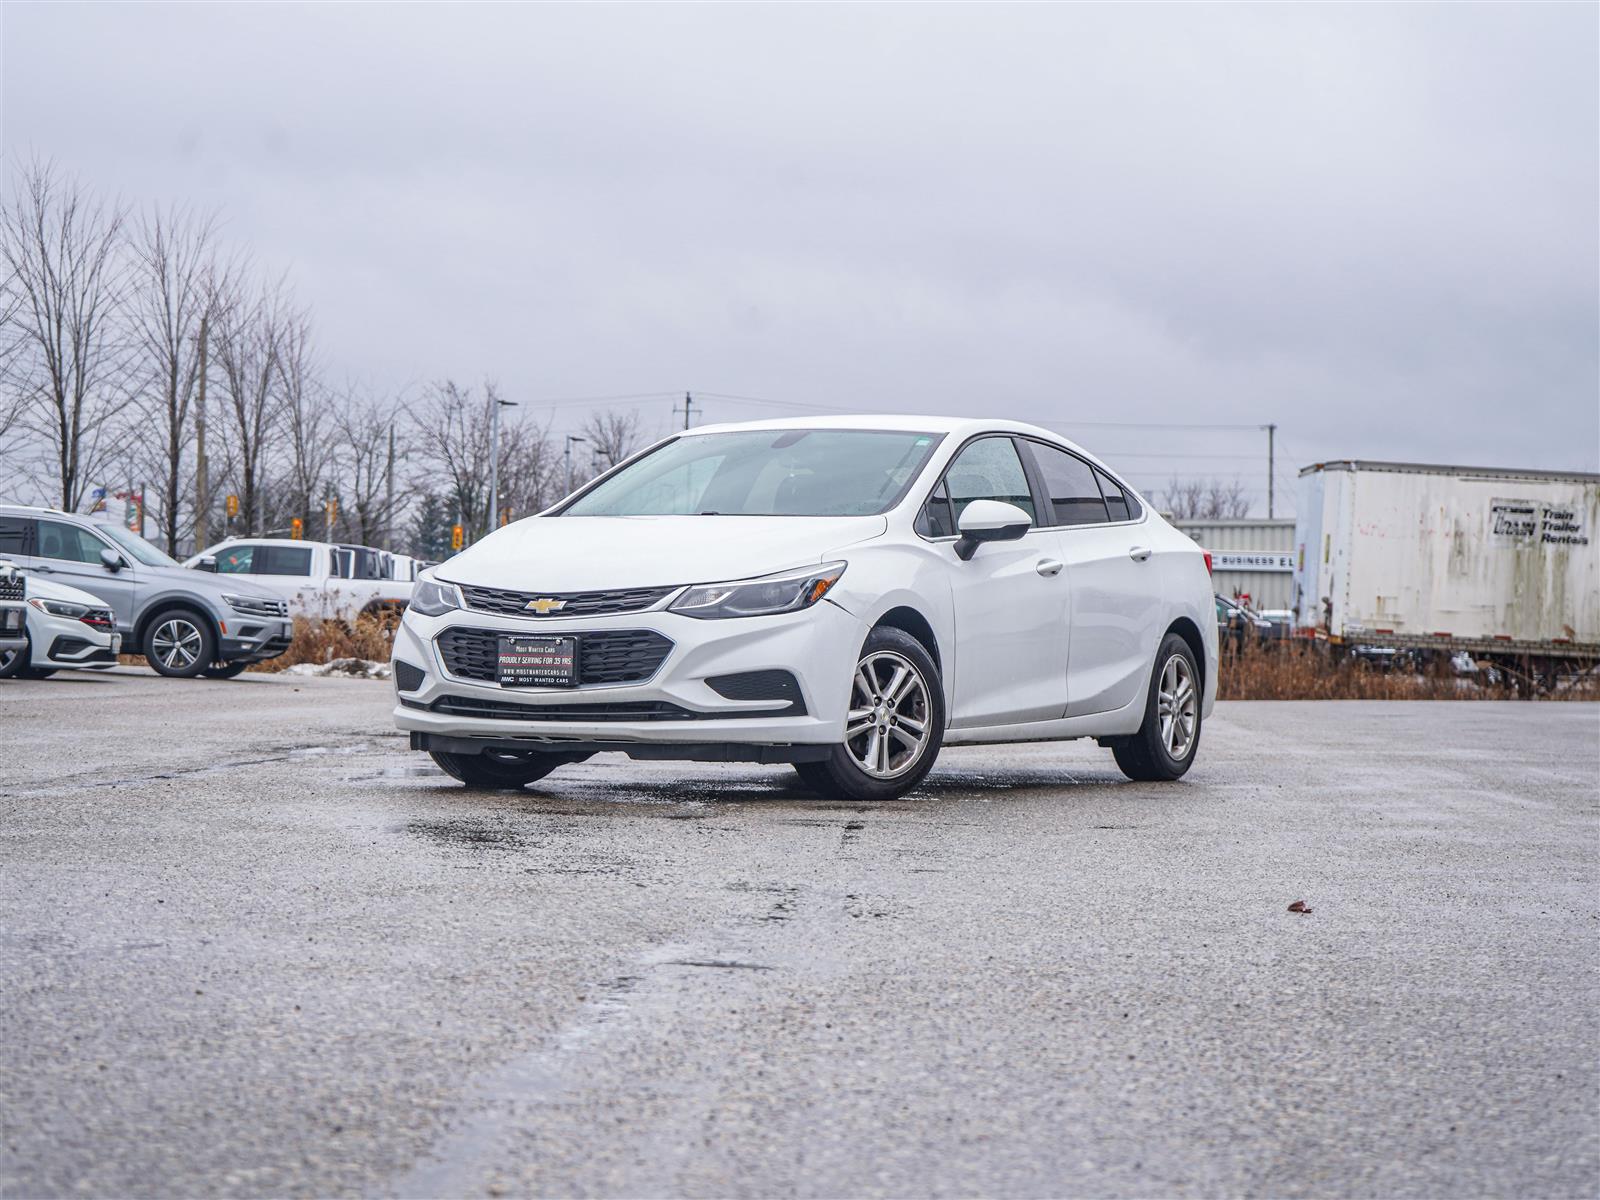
{"points": [[989, 521], [207, 563], [111, 560]]}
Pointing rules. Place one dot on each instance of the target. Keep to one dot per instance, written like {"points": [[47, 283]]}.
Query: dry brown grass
{"points": [[1302, 670], [1283, 671], [323, 641]]}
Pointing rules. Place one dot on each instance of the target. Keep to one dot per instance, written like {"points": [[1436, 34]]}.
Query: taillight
{"points": [[1207, 553]]}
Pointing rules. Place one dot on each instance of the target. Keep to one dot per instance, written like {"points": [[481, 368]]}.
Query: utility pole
{"points": [[1271, 467], [388, 497], [201, 490], [495, 405], [687, 410], [572, 437]]}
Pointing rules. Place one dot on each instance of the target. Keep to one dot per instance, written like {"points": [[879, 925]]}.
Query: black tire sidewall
{"points": [[478, 771], [17, 668], [1154, 747], [208, 643]]}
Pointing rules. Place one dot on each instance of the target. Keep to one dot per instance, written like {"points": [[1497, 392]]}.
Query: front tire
{"points": [[14, 663], [179, 644], [493, 771], [1166, 743], [895, 724]]}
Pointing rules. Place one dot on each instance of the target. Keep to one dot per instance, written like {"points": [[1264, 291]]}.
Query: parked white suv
{"points": [[320, 580], [843, 594]]}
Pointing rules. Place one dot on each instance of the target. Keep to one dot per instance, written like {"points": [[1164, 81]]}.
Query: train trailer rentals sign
{"points": [[1535, 522]]}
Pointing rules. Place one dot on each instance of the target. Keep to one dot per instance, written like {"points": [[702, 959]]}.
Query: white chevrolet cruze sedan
{"points": [[844, 594]]}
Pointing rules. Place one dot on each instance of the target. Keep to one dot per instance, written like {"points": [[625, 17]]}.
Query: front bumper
{"points": [[818, 646], [254, 639]]}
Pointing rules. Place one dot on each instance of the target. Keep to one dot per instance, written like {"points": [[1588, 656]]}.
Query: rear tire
{"points": [[895, 727], [179, 644], [225, 670], [1167, 742], [492, 771]]}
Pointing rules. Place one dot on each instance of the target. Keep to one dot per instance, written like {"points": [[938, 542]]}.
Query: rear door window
{"points": [[1075, 497], [1116, 499], [249, 559]]}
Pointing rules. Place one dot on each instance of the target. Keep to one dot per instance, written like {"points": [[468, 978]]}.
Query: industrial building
{"points": [[1250, 557]]}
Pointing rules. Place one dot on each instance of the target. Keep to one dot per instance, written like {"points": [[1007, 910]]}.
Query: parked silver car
{"points": [[185, 622]]}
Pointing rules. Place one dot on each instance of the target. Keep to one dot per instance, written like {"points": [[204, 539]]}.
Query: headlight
{"points": [[789, 591], [432, 599], [60, 608]]}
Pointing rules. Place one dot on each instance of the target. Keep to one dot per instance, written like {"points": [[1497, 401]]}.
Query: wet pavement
{"points": [[251, 945]]}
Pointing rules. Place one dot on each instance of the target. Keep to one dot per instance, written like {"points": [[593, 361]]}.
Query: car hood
{"points": [[579, 554], [49, 589]]}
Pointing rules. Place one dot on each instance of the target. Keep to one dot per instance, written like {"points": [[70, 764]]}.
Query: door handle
{"points": [[1049, 566], [43, 570], [1139, 553]]}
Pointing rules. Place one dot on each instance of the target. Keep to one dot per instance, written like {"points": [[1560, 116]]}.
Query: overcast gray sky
{"points": [[1375, 226]]}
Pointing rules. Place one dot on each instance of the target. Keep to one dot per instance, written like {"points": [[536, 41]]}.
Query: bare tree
{"points": [[530, 470], [612, 436], [248, 337], [307, 421], [60, 253], [173, 276], [1226, 501], [452, 440], [369, 449], [1206, 499]]}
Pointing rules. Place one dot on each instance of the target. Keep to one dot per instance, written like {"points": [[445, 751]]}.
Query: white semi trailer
{"points": [[1424, 559]]}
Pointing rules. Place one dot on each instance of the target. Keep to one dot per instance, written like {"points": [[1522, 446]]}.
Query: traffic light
{"points": [[456, 537], [505, 516], [232, 506], [332, 509], [297, 529]]}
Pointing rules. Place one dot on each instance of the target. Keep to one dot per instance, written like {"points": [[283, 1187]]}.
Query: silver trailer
{"points": [[1431, 560]]}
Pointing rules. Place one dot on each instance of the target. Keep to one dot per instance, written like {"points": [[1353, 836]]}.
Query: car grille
{"points": [[506, 603], [100, 618], [13, 585], [605, 656], [643, 710], [252, 606], [499, 710]]}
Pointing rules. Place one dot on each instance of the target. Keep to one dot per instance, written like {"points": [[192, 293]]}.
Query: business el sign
{"points": [[1240, 560]]}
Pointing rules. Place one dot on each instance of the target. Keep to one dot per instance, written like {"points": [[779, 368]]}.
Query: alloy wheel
{"points": [[177, 643], [886, 730], [1178, 705]]}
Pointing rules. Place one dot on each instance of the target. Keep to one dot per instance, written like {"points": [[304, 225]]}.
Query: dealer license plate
{"points": [[538, 661]]}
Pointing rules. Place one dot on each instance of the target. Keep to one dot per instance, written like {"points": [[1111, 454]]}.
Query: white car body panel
{"points": [[44, 628], [1032, 657]]}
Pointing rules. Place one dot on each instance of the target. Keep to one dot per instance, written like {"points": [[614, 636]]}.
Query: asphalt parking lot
{"points": [[251, 945]]}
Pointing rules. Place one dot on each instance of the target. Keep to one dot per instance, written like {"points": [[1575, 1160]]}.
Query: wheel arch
{"points": [[166, 605], [912, 623], [1190, 633]]}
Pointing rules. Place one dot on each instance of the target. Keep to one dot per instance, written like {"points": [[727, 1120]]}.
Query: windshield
{"points": [[137, 546], [766, 473]]}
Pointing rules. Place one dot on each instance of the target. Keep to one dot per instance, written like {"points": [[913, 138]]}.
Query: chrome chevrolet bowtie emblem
{"points": [[544, 605]]}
